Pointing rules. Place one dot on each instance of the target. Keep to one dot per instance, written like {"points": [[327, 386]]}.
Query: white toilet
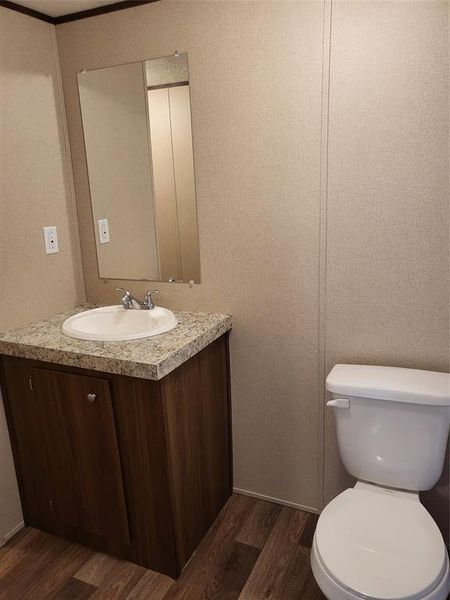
{"points": [[376, 540]]}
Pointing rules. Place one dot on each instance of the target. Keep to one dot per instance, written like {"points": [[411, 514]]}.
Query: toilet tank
{"points": [[392, 424]]}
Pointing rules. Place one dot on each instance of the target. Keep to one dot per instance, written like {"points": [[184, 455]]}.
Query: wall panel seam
{"points": [[325, 101]]}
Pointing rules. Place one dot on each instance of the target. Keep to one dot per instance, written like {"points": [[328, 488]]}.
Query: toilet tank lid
{"points": [[390, 383]]}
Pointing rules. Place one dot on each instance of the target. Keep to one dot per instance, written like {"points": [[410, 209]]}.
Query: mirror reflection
{"points": [[138, 139]]}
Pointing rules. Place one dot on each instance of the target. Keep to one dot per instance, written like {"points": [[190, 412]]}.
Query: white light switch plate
{"points": [[50, 240], [103, 231]]}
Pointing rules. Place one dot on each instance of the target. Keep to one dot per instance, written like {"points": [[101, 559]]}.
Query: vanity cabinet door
{"points": [[79, 433], [30, 454], [64, 433]]}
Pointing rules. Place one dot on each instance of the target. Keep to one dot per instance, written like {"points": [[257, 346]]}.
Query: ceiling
{"points": [[58, 8]]}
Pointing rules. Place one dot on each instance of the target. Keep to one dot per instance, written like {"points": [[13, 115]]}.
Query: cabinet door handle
{"points": [[91, 397]]}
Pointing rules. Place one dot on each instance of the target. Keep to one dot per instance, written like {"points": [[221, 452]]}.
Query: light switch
{"points": [[103, 231], [50, 240]]}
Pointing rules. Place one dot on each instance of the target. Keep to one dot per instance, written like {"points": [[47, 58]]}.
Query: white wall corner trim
{"points": [[276, 500], [12, 532]]}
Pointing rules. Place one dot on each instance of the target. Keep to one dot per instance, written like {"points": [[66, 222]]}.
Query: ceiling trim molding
{"points": [[27, 11], [100, 10], [84, 14]]}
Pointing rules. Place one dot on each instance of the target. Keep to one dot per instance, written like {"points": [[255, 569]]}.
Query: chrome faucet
{"points": [[148, 303], [130, 302]]}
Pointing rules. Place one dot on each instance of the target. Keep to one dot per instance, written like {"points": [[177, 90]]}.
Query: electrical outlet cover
{"points": [[51, 240], [103, 231]]}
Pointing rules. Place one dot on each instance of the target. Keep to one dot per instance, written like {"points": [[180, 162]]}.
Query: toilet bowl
{"points": [[376, 541]]}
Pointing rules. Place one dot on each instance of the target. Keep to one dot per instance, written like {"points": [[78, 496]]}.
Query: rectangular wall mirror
{"points": [[138, 139]]}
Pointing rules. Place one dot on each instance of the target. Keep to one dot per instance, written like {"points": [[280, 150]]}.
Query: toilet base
{"points": [[333, 591]]}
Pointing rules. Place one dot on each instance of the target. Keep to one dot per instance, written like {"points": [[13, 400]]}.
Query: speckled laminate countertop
{"points": [[147, 358]]}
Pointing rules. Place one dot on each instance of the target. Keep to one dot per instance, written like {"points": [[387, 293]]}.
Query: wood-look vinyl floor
{"points": [[255, 550]]}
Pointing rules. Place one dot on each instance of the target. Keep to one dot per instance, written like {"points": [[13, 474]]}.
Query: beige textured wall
{"points": [[35, 183], [388, 197], [255, 72], [255, 82], [35, 191]]}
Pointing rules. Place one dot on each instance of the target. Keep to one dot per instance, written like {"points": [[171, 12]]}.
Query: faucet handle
{"points": [[148, 300], [127, 299]]}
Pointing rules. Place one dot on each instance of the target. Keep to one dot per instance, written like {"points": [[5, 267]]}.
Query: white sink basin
{"points": [[115, 323]]}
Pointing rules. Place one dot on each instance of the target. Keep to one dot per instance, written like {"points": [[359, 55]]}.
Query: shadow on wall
{"points": [[437, 502], [10, 511]]}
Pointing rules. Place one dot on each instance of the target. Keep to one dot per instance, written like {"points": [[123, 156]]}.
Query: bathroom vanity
{"points": [[125, 446]]}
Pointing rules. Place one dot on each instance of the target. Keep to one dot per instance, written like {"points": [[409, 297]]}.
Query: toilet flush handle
{"points": [[339, 403]]}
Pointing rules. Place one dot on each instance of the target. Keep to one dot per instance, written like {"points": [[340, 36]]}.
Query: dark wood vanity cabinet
{"points": [[136, 468], [68, 451]]}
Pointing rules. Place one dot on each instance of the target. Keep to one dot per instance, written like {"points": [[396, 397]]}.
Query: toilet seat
{"points": [[379, 543], [334, 591]]}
